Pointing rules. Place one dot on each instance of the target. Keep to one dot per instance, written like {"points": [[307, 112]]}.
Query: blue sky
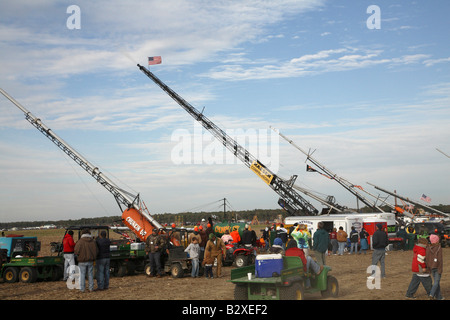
{"points": [[373, 103]]}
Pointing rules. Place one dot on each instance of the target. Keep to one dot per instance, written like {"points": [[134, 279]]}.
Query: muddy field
{"points": [[350, 271]]}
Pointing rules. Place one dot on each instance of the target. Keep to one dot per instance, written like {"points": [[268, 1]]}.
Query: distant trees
{"points": [[179, 218]]}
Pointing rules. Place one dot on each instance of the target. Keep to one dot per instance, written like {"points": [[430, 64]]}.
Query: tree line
{"points": [[184, 218]]}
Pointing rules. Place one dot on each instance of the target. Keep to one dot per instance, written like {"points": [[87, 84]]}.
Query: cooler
{"points": [[268, 265]]}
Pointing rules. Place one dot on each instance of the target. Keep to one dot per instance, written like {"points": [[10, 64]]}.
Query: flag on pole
{"points": [[311, 169], [425, 198], [154, 60]]}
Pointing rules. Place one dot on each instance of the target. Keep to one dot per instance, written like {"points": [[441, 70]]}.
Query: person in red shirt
{"points": [[308, 262], [419, 269], [334, 241], [69, 257]]}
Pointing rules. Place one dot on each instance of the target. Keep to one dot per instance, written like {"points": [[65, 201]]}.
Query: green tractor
{"points": [[289, 284], [19, 261]]}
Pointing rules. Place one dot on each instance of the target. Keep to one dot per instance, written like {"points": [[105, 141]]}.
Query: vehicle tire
{"points": [[332, 288], [240, 292], [293, 292], [121, 270], [117, 269], [57, 273], [11, 275], [131, 268], [241, 261], [28, 275], [176, 270]]}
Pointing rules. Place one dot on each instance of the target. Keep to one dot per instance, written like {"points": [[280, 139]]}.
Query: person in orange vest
{"points": [[236, 236]]}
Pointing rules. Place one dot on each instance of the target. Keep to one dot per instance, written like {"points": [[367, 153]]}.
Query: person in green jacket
{"points": [[321, 240], [411, 237]]}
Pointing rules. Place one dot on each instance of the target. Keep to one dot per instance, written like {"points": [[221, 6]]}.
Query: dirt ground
{"points": [[350, 271]]}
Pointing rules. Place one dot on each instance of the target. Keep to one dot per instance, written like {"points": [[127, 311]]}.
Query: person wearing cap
{"points": [[401, 233], [86, 251], [154, 245], [282, 234], [434, 262], [203, 241], [174, 236], [195, 235], [209, 230], [266, 238], [216, 248], [277, 246], [203, 224], [247, 237]]}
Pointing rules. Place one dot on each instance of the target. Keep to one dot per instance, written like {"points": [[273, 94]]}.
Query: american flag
{"points": [[425, 198], [154, 60]]}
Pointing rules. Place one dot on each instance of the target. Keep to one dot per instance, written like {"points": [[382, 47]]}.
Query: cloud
{"points": [[183, 32], [432, 62], [331, 60]]}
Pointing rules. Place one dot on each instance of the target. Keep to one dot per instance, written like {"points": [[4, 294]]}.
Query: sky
{"points": [[364, 85]]}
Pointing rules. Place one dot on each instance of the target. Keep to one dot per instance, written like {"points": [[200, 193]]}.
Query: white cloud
{"points": [[332, 60], [182, 32], [432, 62]]}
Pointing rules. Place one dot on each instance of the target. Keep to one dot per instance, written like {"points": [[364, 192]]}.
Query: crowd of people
{"points": [[203, 248], [427, 264], [206, 249]]}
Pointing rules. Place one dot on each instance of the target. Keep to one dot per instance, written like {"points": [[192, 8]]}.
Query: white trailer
{"points": [[346, 221]]}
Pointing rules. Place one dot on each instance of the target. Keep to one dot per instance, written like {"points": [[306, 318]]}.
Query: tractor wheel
{"points": [[57, 273], [131, 268], [118, 269], [240, 292], [332, 288], [11, 275], [176, 270], [241, 261], [28, 275], [293, 292], [121, 270]]}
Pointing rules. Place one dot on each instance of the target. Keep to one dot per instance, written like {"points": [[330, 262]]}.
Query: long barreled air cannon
{"points": [[394, 194], [135, 215], [328, 173], [290, 200]]}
